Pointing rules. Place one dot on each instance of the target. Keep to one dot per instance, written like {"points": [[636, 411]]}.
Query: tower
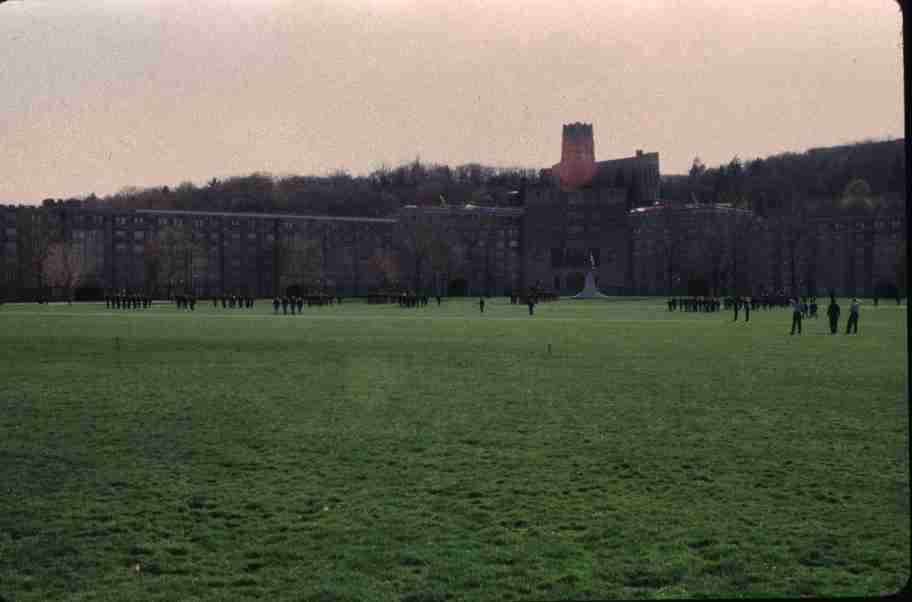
{"points": [[577, 166]]}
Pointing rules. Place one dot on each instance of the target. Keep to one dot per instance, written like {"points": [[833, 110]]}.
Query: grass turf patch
{"points": [[362, 452]]}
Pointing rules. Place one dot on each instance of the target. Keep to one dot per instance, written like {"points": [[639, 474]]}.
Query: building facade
{"points": [[606, 214]]}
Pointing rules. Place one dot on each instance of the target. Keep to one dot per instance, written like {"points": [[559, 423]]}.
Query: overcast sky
{"points": [[103, 94]]}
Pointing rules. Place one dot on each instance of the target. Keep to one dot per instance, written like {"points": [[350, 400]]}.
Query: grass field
{"points": [[363, 452]]}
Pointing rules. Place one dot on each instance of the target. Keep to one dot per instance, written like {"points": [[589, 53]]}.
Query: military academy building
{"points": [[585, 211]]}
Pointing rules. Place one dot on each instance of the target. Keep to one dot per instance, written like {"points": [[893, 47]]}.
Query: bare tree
{"points": [[670, 244], [384, 263], [63, 267], [37, 230], [795, 233], [152, 265], [173, 256], [299, 261], [417, 242]]}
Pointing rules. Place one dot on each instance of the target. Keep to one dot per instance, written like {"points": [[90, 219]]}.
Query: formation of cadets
{"points": [[187, 302], [297, 303], [704, 304], [233, 301], [125, 300], [802, 308]]}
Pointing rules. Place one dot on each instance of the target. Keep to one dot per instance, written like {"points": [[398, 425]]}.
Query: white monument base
{"points": [[589, 290]]}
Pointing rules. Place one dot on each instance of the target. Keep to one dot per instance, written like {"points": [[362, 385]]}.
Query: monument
{"points": [[590, 291]]}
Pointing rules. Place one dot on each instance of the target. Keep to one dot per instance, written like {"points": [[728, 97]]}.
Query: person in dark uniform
{"points": [[833, 314], [192, 303], [285, 305], [531, 303], [275, 305], [736, 303], [438, 300], [796, 315], [852, 324], [747, 310], [481, 304]]}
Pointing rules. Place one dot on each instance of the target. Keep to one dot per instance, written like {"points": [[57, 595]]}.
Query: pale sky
{"points": [[102, 94]]}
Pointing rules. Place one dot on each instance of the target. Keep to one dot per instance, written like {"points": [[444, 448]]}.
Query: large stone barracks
{"points": [[606, 213]]}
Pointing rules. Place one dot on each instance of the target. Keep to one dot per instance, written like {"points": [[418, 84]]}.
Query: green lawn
{"points": [[364, 452]]}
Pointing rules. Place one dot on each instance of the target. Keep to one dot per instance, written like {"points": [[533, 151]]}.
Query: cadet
{"points": [[852, 325], [796, 315], [737, 305], [285, 305], [481, 304], [275, 305], [833, 313], [531, 302], [747, 310]]}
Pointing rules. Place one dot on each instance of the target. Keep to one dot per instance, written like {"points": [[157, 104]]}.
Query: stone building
{"points": [[604, 212]]}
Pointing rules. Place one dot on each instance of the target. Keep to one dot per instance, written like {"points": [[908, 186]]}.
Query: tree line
{"points": [[859, 177], [378, 194]]}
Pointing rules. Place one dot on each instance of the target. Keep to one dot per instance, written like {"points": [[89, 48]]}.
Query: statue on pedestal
{"points": [[590, 291]]}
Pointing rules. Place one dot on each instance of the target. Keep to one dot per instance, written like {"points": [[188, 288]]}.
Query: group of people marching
{"points": [[704, 304], [233, 301], [187, 302], [802, 308], [297, 303], [413, 300], [124, 300]]}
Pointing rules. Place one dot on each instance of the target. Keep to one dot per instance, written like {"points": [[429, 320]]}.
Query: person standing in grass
{"points": [[833, 314], [481, 304], [736, 303], [531, 302], [796, 315], [747, 310], [852, 325]]}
